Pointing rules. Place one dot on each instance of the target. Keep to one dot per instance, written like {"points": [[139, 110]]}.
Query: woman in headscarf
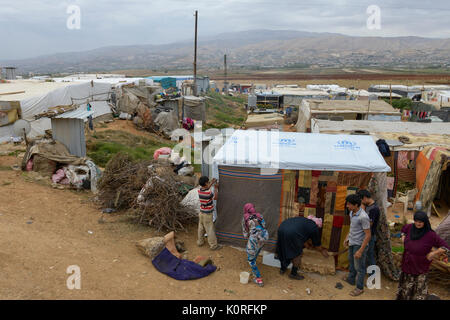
{"points": [[293, 235], [419, 239], [254, 228]]}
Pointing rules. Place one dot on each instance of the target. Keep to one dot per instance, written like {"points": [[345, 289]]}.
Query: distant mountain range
{"points": [[251, 49]]}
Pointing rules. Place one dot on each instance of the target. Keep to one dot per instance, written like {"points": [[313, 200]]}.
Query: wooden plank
{"points": [[436, 210], [15, 92]]}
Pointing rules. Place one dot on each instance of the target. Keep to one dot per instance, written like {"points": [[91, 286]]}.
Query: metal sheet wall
{"points": [[70, 132]]}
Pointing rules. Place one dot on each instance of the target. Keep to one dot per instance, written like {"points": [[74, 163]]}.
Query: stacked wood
{"points": [[54, 111]]}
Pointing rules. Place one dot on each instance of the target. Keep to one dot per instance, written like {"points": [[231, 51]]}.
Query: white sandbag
{"points": [[175, 158], [125, 116], [186, 171], [191, 200]]}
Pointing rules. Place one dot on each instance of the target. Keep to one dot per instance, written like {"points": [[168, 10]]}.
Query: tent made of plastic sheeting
{"points": [[346, 109], [79, 93], [167, 122], [300, 151], [326, 87], [294, 96], [6, 132], [13, 96], [406, 127], [113, 81], [100, 108], [194, 108], [311, 174], [36, 97], [265, 120]]}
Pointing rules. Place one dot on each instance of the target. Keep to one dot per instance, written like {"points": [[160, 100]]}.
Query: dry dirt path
{"points": [[45, 230]]}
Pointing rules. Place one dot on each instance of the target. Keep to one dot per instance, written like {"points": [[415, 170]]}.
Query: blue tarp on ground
{"points": [[180, 269]]}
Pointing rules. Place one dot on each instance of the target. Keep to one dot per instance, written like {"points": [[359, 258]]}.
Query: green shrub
{"points": [[398, 249]]}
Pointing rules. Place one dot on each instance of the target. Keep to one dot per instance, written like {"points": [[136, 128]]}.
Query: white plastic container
{"points": [[244, 277]]}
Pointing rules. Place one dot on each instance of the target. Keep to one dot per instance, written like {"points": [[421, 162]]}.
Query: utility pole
{"points": [[225, 83], [195, 55], [390, 93]]}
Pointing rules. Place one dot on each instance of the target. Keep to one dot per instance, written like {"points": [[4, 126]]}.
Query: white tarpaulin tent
{"points": [[37, 97], [113, 81], [300, 151]]}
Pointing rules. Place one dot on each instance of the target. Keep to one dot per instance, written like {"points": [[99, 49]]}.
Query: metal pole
{"points": [[390, 93], [225, 84], [195, 55]]}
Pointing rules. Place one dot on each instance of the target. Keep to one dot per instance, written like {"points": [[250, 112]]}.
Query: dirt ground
{"points": [[45, 230]]}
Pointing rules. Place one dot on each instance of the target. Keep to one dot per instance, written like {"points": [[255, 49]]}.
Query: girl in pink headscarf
{"points": [[254, 228]]}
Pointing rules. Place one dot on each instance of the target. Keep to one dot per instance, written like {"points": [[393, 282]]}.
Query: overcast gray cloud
{"points": [[31, 28]]}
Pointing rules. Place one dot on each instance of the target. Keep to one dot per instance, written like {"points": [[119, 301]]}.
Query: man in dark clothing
{"points": [[373, 211], [293, 235]]}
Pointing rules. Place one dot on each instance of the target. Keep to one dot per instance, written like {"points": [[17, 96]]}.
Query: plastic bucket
{"points": [[244, 277]]}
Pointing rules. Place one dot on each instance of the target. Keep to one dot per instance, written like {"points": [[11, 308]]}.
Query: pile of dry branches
{"points": [[150, 188], [158, 205], [121, 181], [440, 273]]}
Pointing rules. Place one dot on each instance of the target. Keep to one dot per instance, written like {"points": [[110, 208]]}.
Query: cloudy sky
{"points": [[30, 28]]}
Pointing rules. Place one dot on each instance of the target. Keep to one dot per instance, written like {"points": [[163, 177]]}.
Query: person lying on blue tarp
{"points": [[166, 259]]}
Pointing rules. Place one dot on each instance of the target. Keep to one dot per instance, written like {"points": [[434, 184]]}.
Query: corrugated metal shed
{"points": [[68, 128], [79, 113]]}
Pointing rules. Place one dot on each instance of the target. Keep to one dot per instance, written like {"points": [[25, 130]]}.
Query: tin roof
{"points": [[80, 113]]}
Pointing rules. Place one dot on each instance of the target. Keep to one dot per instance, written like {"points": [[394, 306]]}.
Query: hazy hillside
{"points": [[253, 48]]}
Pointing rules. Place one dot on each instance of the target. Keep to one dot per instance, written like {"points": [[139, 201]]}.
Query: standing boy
{"points": [[205, 217]]}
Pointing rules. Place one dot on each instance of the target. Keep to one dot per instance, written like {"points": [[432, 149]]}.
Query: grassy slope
{"points": [[103, 145], [224, 111], [221, 111]]}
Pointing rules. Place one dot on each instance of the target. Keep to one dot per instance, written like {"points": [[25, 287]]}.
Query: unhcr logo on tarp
{"points": [[346, 145], [287, 142]]}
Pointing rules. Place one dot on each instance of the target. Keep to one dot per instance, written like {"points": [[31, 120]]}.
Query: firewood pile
{"points": [[440, 272], [121, 181], [149, 189], [158, 203]]}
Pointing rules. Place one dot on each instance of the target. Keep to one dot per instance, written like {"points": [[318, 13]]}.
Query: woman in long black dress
{"points": [[293, 235]]}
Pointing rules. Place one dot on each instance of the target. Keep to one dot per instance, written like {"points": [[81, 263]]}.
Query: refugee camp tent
{"points": [[432, 175], [295, 96], [273, 120], [345, 109], [411, 160], [36, 97], [443, 230], [12, 100], [179, 79], [285, 174], [347, 126], [194, 108]]}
